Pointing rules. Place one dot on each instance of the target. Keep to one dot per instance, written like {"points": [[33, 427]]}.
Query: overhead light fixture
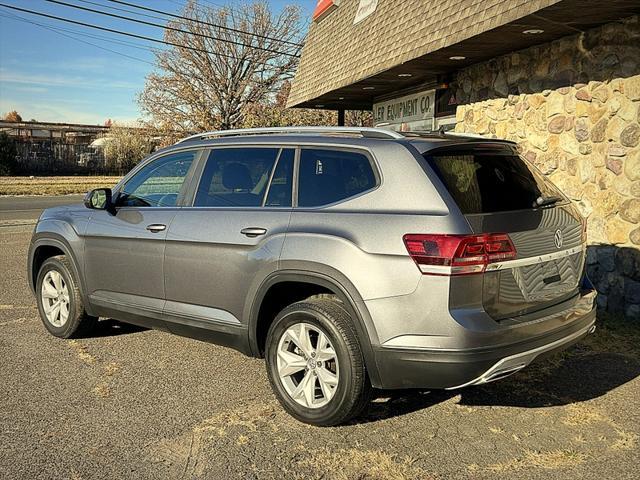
{"points": [[340, 98], [457, 57], [319, 105], [533, 31], [405, 75], [368, 88]]}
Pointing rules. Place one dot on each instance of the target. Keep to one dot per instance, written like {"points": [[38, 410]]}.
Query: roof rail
{"points": [[367, 132]]}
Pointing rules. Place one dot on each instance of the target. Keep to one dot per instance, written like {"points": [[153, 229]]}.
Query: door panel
{"points": [[216, 249], [209, 263], [122, 255], [124, 251]]}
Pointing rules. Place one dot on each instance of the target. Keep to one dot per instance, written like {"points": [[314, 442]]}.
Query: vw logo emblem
{"points": [[557, 238]]}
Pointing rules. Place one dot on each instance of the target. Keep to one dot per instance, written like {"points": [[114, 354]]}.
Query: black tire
{"points": [[353, 392], [79, 323]]}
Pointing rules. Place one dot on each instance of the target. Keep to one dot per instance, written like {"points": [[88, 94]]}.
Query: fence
{"points": [[50, 157]]}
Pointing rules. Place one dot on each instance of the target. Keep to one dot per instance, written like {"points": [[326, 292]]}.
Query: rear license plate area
{"points": [[551, 273]]}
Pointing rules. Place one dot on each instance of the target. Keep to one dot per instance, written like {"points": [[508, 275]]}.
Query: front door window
{"points": [[159, 183]]}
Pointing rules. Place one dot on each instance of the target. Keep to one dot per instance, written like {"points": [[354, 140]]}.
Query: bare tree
{"points": [[273, 113], [12, 116], [228, 58], [125, 146]]}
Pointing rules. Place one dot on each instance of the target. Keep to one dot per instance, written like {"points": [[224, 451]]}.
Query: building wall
{"points": [[573, 106]]}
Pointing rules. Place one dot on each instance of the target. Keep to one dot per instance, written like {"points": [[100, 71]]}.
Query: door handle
{"points": [[156, 227], [253, 231]]}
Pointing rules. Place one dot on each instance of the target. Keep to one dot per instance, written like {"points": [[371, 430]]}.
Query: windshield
{"points": [[492, 181]]}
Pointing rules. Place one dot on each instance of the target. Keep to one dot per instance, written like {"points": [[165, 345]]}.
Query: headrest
{"points": [[236, 176]]}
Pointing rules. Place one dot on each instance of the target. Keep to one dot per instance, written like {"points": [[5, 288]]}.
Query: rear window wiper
{"points": [[543, 201]]}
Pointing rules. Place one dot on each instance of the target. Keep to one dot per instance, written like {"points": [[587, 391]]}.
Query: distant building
{"points": [[56, 147]]}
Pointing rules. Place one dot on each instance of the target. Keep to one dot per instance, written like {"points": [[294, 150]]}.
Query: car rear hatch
{"points": [[500, 193]]}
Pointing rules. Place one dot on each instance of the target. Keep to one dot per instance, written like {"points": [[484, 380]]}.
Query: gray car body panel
{"points": [[201, 277]]}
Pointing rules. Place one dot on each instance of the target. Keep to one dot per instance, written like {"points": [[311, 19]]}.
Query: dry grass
{"points": [[625, 441], [111, 369], [81, 351], [364, 464], [53, 185], [548, 460], [615, 335], [579, 414], [102, 390]]}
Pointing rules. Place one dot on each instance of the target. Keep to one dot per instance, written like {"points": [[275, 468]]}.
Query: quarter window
{"points": [[159, 183], [328, 176], [236, 177]]}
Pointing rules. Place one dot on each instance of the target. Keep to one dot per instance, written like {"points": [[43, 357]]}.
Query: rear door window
{"points": [[491, 181], [328, 176], [236, 177]]}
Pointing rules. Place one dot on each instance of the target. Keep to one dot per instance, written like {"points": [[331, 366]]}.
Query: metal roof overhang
{"points": [[559, 20]]}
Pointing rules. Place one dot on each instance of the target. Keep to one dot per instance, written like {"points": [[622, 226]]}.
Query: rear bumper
{"points": [[457, 368]]}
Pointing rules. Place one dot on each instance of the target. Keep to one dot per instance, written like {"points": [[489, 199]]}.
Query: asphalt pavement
{"points": [[143, 404], [29, 207]]}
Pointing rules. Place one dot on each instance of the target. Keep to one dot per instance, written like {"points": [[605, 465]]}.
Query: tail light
{"points": [[458, 254]]}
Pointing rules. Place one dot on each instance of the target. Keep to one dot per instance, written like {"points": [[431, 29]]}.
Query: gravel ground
{"points": [[133, 403]]}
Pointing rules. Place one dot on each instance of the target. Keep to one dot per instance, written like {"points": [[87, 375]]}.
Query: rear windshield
{"points": [[491, 181]]}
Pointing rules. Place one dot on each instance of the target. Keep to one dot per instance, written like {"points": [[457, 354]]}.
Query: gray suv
{"points": [[350, 258]]}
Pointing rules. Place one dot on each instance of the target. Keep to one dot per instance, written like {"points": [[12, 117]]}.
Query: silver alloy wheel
{"points": [[55, 298], [307, 365]]}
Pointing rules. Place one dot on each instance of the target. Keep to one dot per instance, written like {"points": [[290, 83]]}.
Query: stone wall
{"points": [[573, 106]]}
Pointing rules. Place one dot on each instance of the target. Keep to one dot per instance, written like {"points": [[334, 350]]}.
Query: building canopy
{"points": [[358, 52]]}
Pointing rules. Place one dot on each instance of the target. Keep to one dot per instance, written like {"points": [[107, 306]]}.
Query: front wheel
{"points": [[315, 364], [59, 300]]}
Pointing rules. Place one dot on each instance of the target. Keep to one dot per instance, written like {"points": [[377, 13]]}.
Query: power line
{"points": [[55, 30], [88, 35], [126, 10], [111, 30], [167, 27], [235, 30], [142, 37]]}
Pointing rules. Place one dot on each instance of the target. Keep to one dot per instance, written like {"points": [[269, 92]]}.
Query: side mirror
{"points": [[99, 199]]}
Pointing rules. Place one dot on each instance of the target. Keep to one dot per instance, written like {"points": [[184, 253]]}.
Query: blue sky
{"points": [[50, 77]]}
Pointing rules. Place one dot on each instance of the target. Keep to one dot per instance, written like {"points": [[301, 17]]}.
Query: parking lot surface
{"points": [[134, 403]]}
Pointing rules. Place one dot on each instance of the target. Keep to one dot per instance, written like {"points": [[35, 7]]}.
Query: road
{"points": [[132, 403], [29, 207]]}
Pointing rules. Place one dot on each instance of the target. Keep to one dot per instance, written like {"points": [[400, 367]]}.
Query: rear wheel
{"points": [[315, 364], [59, 300]]}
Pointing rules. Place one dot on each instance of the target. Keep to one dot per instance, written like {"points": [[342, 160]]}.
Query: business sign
{"points": [[410, 108], [323, 7], [366, 8]]}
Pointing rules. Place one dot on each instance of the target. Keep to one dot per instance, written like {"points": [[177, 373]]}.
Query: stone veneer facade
{"points": [[573, 106]]}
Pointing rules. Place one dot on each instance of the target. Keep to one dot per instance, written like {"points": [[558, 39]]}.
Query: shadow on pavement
{"points": [[111, 328], [586, 371]]}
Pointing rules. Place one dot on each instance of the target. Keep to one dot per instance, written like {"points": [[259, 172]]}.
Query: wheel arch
{"points": [[344, 291], [53, 244]]}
